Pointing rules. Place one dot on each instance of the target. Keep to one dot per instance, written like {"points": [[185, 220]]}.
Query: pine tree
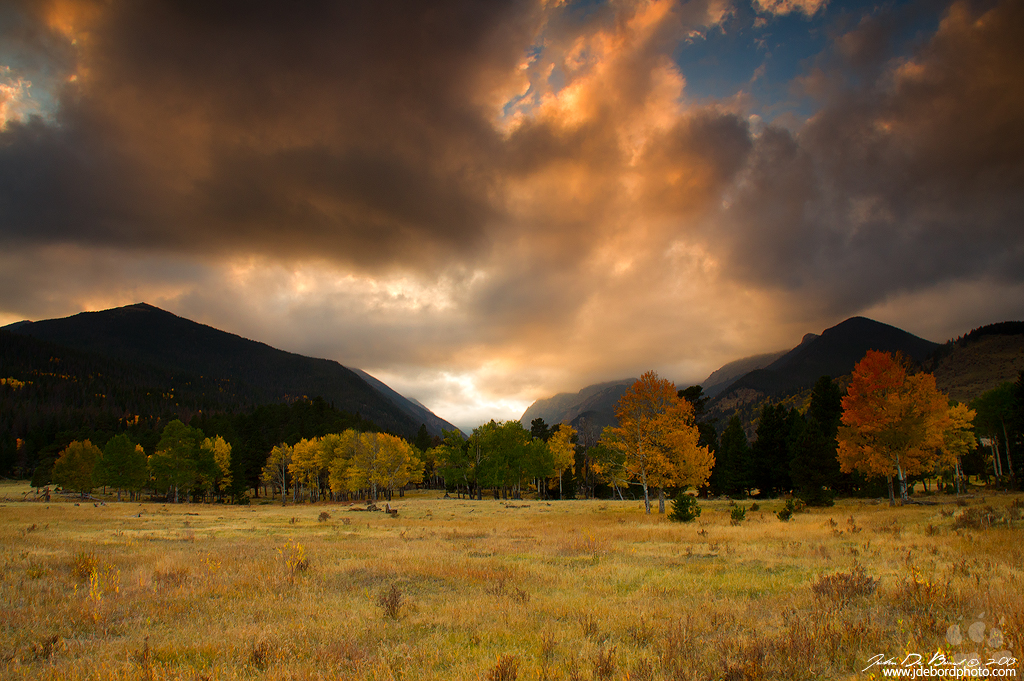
{"points": [[814, 466], [770, 452], [731, 474]]}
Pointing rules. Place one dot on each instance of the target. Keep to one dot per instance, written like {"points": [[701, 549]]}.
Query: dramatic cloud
{"points": [[483, 203]]}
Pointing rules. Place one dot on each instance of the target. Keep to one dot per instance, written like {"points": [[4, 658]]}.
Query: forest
{"points": [[888, 432]]}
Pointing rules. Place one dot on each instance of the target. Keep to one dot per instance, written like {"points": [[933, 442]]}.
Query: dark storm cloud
{"points": [[915, 178], [513, 197], [357, 130]]}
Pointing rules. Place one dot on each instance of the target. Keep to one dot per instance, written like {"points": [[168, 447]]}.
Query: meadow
{"points": [[462, 589]]}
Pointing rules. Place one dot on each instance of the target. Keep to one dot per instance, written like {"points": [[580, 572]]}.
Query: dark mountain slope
{"points": [[969, 366], [722, 378], [435, 424], [597, 402], [834, 353], [146, 335]]}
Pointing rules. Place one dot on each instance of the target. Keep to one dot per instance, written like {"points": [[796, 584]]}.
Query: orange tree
{"points": [[894, 423], [658, 438]]}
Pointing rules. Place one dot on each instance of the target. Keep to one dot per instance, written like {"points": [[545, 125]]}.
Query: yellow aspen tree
{"points": [[654, 435], [958, 440], [563, 451], [304, 467], [221, 451], [275, 471], [338, 469]]}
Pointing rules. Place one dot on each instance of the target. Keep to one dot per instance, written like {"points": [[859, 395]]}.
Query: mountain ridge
{"points": [[147, 335]]}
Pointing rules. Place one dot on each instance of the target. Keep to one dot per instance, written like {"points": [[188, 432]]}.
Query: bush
{"points": [[792, 506], [738, 515], [685, 508], [842, 587], [391, 602]]}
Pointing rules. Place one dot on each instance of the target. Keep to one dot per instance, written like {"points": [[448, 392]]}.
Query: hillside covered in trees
{"points": [[141, 335]]}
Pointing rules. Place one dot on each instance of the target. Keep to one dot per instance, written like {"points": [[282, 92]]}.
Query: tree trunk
{"points": [[996, 468], [903, 485], [1009, 459], [892, 498], [661, 500]]}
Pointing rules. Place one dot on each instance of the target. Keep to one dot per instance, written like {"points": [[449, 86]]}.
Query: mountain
{"points": [[833, 353], [147, 336], [721, 379], [969, 366], [435, 424], [595, 402]]}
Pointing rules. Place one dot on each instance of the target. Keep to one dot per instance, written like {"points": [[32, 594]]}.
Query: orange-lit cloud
{"points": [[487, 202]]}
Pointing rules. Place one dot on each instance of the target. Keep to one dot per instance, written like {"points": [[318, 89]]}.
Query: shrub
{"points": [[792, 506], [685, 508], [507, 669], [738, 515], [84, 565], [842, 587], [391, 601], [976, 518]]}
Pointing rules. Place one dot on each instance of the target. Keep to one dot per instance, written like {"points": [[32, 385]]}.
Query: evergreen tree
{"points": [[770, 451], [540, 430], [815, 467], [708, 433], [731, 474], [423, 440]]}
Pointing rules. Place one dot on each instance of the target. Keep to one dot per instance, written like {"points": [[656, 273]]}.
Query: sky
{"points": [[486, 203]]}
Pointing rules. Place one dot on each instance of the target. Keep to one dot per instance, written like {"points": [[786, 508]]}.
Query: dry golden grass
{"points": [[460, 589]]}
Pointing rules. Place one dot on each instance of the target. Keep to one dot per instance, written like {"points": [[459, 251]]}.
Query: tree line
{"points": [[891, 429], [185, 465]]}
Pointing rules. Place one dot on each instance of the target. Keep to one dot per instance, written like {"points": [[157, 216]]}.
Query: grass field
{"points": [[460, 589]]}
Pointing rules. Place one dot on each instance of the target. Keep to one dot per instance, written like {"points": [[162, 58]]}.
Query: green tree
{"points": [[731, 474], [814, 466], [507, 458], [609, 466], [43, 474], [996, 421], [539, 429], [423, 439], [179, 463], [458, 461], [74, 467], [770, 452], [705, 427], [123, 466]]}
